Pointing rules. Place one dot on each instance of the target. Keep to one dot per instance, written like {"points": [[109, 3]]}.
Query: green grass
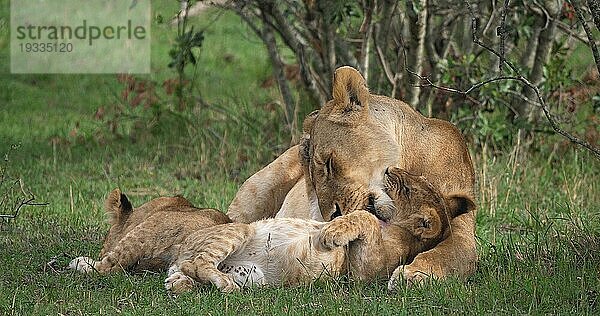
{"points": [[538, 223]]}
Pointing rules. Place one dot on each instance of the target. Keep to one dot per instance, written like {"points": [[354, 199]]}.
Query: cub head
{"points": [[419, 209], [344, 150]]}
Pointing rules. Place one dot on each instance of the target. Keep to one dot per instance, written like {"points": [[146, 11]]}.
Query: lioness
{"points": [[292, 251], [346, 148]]}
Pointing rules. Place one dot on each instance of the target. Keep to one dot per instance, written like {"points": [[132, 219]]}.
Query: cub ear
{"points": [[350, 93], [118, 206], [425, 225], [309, 122], [458, 204]]}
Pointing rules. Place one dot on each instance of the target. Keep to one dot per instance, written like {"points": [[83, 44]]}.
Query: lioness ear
{"points": [[458, 204], [118, 206], [309, 122], [350, 92]]}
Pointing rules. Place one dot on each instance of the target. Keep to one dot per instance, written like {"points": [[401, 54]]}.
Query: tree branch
{"points": [[382, 61], [588, 32], [418, 30], [536, 90], [279, 73], [595, 10], [367, 30], [296, 43], [565, 28]]}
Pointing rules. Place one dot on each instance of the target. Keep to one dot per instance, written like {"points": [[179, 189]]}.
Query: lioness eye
{"points": [[329, 166], [371, 203], [405, 189]]}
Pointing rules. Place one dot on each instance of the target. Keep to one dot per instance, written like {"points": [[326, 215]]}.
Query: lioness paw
{"points": [[178, 283], [338, 233], [82, 264], [407, 275]]}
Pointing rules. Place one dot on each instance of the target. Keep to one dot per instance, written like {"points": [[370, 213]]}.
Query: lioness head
{"points": [[345, 150], [420, 209]]}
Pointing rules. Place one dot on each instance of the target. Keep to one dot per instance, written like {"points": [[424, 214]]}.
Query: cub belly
{"points": [[283, 251]]}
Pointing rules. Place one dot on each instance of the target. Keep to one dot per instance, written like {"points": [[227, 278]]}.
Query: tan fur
{"points": [[348, 145], [294, 205], [147, 237], [292, 251], [201, 246], [258, 185]]}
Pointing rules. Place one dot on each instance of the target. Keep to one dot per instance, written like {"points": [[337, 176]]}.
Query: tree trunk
{"points": [[531, 47], [415, 58], [367, 30], [542, 53], [279, 73]]}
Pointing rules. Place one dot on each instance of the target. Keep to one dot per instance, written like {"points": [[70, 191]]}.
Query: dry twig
{"points": [[7, 200], [28, 199]]}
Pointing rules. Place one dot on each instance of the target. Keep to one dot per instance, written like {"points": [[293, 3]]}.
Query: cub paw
{"points": [[178, 283], [82, 264], [339, 232], [406, 275], [226, 284]]}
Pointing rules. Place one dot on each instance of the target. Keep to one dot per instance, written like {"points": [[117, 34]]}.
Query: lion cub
{"points": [[147, 237], [293, 251]]}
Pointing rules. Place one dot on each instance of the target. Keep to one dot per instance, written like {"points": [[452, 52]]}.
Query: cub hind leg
{"points": [[201, 255], [123, 255]]}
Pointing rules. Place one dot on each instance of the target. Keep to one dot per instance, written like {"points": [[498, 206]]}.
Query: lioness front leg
{"points": [[262, 195], [361, 232], [455, 256], [206, 250]]}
